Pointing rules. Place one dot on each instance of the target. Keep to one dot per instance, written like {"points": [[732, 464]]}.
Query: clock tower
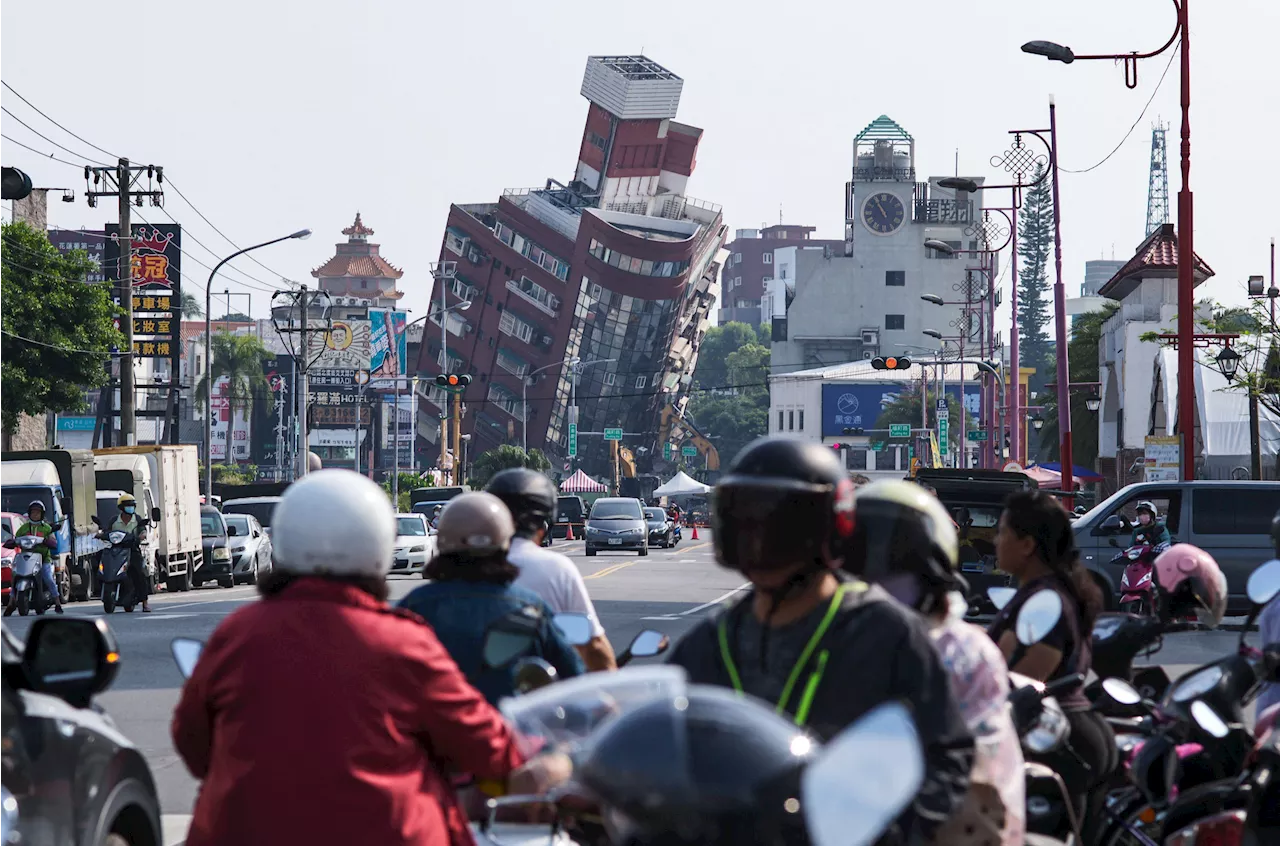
{"points": [[878, 199]]}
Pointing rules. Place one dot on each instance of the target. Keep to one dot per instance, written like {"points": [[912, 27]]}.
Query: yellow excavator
{"points": [[679, 432]]}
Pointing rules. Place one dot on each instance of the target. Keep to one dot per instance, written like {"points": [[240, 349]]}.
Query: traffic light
{"points": [[891, 363], [16, 184], [453, 381], [851, 430]]}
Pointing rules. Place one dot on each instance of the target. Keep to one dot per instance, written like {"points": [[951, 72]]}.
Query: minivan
{"points": [[616, 523], [1229, 520]]}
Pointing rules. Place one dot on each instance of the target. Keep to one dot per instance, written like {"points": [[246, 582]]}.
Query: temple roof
{"points": [[1156, 256]]}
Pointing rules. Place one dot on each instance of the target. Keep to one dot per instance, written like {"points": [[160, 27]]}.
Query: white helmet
{"points": [[334, 523]]}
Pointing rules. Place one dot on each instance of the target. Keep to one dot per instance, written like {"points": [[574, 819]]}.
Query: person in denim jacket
{"points": [[471, 590]]}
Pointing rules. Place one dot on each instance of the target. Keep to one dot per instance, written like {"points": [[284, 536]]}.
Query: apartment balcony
{"points": [[543, 205], [513, 285]]}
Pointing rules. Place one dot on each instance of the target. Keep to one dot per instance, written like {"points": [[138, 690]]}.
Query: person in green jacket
{"points": [[37, 526]]}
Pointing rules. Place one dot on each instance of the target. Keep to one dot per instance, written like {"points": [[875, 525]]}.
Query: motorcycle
{"points": [[677, 534], [28, 586], [113, 572], [1137, 594]]}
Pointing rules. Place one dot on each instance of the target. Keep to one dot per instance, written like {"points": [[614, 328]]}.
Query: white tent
{"points": [[682, 485]]}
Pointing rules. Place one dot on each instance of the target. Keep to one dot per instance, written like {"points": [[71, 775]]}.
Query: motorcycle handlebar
{"points": [[1064, 683]]}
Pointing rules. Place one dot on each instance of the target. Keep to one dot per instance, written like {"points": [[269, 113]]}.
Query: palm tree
{"points": [[239, 358], [191, 306]]}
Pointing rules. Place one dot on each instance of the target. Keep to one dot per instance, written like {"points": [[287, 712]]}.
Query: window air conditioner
{"points": [[867, 355], [870, 337]]}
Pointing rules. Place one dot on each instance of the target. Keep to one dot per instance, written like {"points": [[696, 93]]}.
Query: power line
{"points": [[41, 152], [56, 346], [54, 122], [249, 256], [1138, 120], [50, 140]]}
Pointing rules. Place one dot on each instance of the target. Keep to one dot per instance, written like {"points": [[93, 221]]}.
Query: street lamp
{"points": [[300, 235], [1037, 422], [934, 333], [295, 317], [1186, 248], [959, 183], [933, 298], [524, 405], [1228, 362], [941, 246], [1093, 403]]}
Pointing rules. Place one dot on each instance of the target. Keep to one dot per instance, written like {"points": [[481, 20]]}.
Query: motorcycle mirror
{"points": [[1038, 616], [1000, 596], [533, 674], [1112, 524], [96, 521], [9, 821], [848, 802], [574, 627], [1121, 691], [155, 514], [1264, 583], [1208, 719], [649, 643], [502, 647], [186, 652]]}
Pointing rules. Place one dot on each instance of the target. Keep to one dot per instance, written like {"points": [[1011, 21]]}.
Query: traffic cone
{"points": [[568, 534], [694, 536]]}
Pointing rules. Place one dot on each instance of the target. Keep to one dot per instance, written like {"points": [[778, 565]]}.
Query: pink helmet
{"points": [[1189, 569]]}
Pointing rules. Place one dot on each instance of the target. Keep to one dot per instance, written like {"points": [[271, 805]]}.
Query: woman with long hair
{"points": [[1035, 544]]}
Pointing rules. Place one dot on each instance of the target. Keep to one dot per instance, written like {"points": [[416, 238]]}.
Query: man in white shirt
{"points": [[531, 498]]}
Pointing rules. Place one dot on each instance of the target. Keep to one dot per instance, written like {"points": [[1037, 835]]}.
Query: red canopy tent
{"points": [[580, 482]]}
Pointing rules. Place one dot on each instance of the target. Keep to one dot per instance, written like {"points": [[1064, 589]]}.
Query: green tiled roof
{"points": [[883, 128]]}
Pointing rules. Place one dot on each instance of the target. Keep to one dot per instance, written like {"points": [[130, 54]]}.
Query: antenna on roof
{"points": [[779, 214]]}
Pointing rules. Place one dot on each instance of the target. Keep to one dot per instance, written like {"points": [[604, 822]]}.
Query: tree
{"points": [[191, 306], [58, 330], [487, 464], [906, 409], [716, 347], [239, 358], [1035, 240], [1086, 338]]}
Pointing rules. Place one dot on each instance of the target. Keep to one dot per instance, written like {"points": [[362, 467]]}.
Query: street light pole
{"points": [[1060, 322], [301, 235], [524, 406]]}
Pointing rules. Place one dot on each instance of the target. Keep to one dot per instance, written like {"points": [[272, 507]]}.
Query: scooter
{"points": [[113, 572], [27, 585], [677, 533], [1137, 595]]}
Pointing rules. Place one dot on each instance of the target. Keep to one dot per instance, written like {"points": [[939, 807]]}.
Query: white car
{"points": [[415, 544]]}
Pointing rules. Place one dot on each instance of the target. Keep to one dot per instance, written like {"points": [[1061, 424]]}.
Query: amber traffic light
{"points": [[891, 363], [453, 381]]}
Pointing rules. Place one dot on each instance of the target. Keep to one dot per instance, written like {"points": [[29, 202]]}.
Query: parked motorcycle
{"points": [[28, 586], [113, 572]]}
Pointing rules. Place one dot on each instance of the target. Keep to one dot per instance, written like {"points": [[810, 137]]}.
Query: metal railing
{"points": [[514, 286]]}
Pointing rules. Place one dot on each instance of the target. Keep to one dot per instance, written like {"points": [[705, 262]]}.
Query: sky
{"points": [[274, 116]]}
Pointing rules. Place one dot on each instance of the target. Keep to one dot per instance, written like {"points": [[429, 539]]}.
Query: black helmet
{"points": [[705, 767], [529, 495], [782, 501], [903, 529]]}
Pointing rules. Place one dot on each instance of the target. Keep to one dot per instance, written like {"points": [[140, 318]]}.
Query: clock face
{"points": [[883, 213]]}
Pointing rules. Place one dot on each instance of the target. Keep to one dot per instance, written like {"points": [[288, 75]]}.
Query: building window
{"points": [[779, 421], [768, 258], [802, 420], [642, 381], [737, 258], [596, 140], [610, 378], [895, 321], [767, 279], [791, 421], [455, 241], [895, 278], [511, 325], [512, 363]]}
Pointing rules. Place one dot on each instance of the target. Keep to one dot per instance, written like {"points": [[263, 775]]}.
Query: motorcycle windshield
{"points": [[567, 713]]}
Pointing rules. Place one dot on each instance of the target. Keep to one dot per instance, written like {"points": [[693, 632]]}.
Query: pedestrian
{"points": [[127, 521], [905, 541], [532, 500], [36, 525], [822, 647], [1035, 544], [320, 714], [471, 591]]}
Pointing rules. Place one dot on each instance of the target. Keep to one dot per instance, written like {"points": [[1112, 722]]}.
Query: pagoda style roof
{"points": [[883, 128], [1156, 256], [357, 228], [357, 258]]}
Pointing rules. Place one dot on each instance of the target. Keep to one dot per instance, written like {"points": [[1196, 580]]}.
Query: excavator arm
{"points": [[679, 431]]}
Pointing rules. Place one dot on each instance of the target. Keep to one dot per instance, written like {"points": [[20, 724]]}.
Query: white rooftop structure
{"points": [[632, 87]]}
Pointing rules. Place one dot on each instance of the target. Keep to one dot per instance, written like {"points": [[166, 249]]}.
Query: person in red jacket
{"points": [[320, 714]]}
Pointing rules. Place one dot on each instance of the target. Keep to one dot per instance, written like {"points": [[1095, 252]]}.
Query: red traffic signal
{"points": [[891, 363]]}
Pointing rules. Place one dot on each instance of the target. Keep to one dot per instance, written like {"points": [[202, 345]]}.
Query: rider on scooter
{"points": [[36, 525], [129, 523], [1149, 531]]}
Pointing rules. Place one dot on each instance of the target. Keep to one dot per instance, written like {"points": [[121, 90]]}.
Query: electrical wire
{"points": [[41, 153], [249, 256], [1138, 120], [50, 140], [56, 346], [55, 123]]}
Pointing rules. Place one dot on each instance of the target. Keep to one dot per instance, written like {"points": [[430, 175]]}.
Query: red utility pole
{"points": [[1060, 324], [1186, 270]]}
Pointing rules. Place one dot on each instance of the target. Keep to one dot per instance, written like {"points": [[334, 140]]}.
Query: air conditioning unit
{"points": [[870, 337], [554, 301], [867, 355]]}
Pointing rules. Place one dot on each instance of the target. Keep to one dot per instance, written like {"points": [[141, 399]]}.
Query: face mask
{"points": [[1144, 518], [129, 509]]}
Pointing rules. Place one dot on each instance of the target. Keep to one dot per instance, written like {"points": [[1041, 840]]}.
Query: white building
{"points": [[837, 306], [1146, 288], [819, 404]]}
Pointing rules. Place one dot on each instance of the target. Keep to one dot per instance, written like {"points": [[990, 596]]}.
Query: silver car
{"points": [[250, 548]]}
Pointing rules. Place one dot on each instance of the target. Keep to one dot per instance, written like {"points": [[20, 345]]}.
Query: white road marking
{"points": [[703, 606], [174, 828]]}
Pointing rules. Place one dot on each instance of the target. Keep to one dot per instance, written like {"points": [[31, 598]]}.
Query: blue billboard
{"points": [[859, 404]]}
